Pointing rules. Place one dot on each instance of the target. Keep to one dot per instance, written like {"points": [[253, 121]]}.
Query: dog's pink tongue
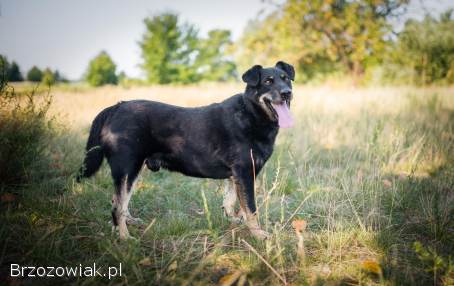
{"points": [[284, 116]]}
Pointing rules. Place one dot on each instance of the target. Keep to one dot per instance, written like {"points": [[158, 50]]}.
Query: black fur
{"points": [[287, 68], [94, 150], [213, 141], [252, 76]]}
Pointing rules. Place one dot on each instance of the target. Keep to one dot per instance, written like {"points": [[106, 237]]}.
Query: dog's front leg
{"points": [[244, 186]]}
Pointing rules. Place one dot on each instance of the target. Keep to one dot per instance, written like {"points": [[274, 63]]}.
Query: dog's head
{"points": [[271, 89]]}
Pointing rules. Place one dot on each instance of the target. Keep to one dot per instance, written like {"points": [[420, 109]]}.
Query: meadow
{"points": [[366, 176]]}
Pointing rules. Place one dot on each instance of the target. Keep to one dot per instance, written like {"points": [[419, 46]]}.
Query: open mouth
{"points": [[281, 111]]}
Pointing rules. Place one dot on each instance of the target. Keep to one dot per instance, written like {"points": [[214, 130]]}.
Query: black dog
{"points": [[228, 140]]}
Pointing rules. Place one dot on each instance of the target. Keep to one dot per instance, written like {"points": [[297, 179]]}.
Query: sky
{"points": [[65, 35]]}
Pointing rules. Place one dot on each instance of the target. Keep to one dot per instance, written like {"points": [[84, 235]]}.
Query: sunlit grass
{"points": [[369, 169]]}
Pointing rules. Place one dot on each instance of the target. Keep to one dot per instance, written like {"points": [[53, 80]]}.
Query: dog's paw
{"points": [[133, 220], [233, 217], [259, 233], [129, 238]]}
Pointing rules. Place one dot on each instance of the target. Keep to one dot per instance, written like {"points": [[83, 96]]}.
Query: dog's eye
{"points": [[284, 77], [268, 81]]}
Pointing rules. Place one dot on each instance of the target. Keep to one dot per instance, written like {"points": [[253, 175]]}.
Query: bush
{"points": [[25, 132], [14, 72], [4, 68], [35, 74], [48, 77], [101, 70]]}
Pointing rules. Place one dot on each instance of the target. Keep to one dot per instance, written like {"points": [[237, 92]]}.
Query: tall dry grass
{"points": [[368, 171]]}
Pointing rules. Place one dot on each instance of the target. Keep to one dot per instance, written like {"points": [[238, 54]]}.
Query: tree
{"points": [[173, 52], [427, 47], [169, 50], [58, 77], [101, 70], [48, 77], [9, 72], [14, 72], [34, 74], [122, 77], [211, 61], [4, 68], [322, 36]]}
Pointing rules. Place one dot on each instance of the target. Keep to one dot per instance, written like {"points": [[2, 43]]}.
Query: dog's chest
{"points": [[260, 153]]}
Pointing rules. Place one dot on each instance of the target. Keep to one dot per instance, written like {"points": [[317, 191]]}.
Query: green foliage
{"points": [[321, 37], [14, 72], [9, 72], [58, 77], [101, 70], [426, 48], [440, 267], [25, 132], [168, 50], [34, 74], [122, 77], [173, 52], [48, 77], [211, 61], [4, 68]]}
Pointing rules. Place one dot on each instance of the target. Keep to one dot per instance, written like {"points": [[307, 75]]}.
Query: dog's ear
{"points": [[287, 68], [252, 75]]}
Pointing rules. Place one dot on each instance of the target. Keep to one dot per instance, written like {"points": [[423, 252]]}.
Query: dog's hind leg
{"points": [[122, 195], [124, 177], [229, 201], [129, 218]]}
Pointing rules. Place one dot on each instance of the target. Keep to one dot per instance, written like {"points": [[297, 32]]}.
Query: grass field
{"points": [[370, 171]]}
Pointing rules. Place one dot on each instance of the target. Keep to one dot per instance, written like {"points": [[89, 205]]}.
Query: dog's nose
{"points": [[286, 93]]}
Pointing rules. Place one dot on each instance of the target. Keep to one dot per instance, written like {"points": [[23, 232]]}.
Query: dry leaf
{"points": [[242, 280], [145, 262], [13, 281], [173, 266], [403, 176], [299, 225], [229, 278], [8, 198], [371, 266], [387, 183]]}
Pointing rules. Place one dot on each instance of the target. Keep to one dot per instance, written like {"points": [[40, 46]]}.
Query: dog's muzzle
{"points": [[280, 107]]}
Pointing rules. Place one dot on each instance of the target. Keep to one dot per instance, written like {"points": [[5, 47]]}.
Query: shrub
{"points": [[14, 72], [101, 70], [48, 77], [25, 131], [9, 71], [4, 67], [35, 74]]}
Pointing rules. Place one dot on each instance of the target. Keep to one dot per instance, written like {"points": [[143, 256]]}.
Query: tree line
{"points": [[321, 39], [173, 52], [11, 72], [353, 38]]}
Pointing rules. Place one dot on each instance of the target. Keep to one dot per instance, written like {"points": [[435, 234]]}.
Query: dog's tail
{"points": [[94, 150]]}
